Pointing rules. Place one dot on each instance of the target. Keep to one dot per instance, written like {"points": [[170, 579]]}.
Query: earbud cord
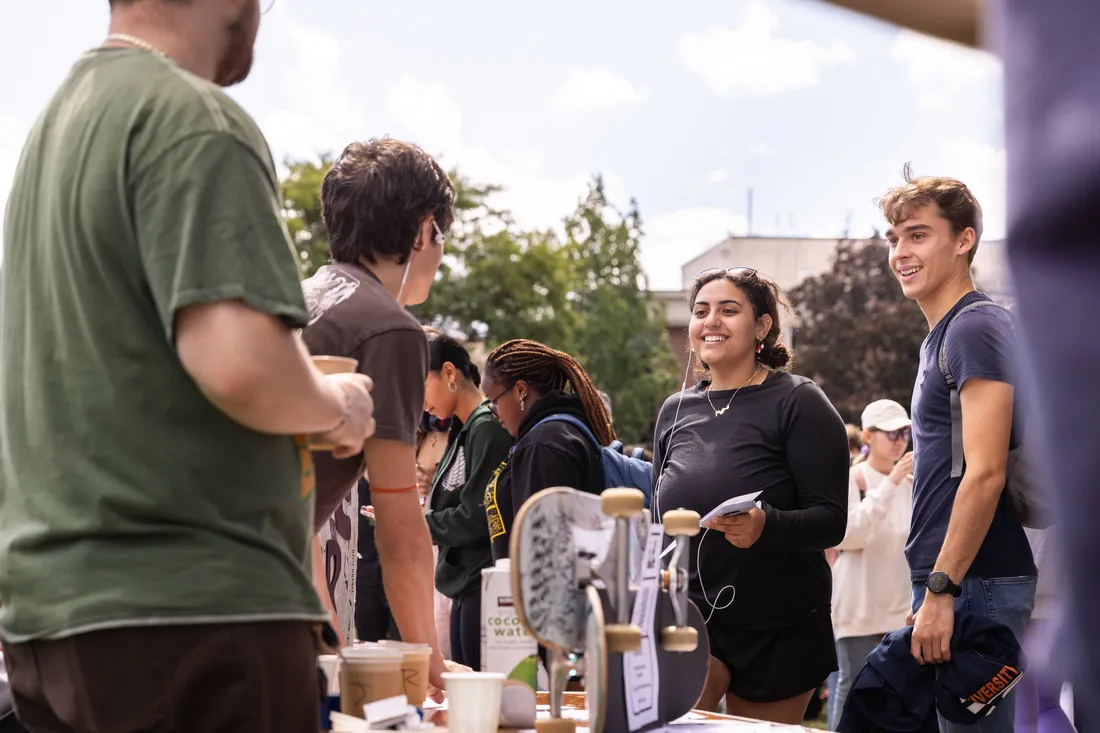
{"points": [[657, 504]]}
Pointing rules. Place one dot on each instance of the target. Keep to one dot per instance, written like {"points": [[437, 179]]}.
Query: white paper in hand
{"points": [[730, 507]]}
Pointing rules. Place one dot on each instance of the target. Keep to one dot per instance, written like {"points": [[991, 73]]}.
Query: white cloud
{"points": [[429, 115], [324, 116], [426, 114], [939, 70], [753, 59], [982, 168], [717, 176], [672, 238], [594, 90], [761, 150]]}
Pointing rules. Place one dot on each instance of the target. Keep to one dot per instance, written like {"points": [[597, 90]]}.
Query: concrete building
{"points": [[789, 261]]}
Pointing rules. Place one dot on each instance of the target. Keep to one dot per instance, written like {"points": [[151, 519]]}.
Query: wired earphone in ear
{"points": [[439, 239], [657, 502]]}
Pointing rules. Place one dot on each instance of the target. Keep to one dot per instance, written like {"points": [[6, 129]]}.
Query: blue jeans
{"points": [[1008, 601], [851, 653], [831, 715]]}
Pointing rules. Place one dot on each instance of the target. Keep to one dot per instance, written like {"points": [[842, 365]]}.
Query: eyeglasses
{"points": [[895, 435], [746, 272], [493, 401]]}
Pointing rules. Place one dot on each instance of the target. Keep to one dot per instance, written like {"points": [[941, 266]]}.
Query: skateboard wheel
{"points": [[623, 638], [556, 725], [622, 503], [681, 523], [679, 639]]}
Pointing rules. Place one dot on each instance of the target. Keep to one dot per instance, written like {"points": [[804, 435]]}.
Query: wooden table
{"points": [[574, 701]]}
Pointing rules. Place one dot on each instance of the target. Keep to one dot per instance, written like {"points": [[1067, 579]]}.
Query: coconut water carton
{"points": [[506, 646]]}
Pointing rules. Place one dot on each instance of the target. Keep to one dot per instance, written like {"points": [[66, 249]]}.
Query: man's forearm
{"points": [[255, 369], [972, 513], [408, 576]]}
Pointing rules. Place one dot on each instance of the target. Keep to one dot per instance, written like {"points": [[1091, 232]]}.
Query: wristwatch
{"points": [[939, 584]]}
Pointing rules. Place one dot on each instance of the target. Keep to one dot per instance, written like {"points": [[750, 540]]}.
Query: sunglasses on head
{"points": [[895, 434], [734, 271]]}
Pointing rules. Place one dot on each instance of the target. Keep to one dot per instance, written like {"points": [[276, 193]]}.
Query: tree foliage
{"points": [[583, 293], [622, 341], [301, 189], [858, 337]]}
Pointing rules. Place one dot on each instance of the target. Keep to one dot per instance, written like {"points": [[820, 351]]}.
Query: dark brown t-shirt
{"points": [[351, 314]]}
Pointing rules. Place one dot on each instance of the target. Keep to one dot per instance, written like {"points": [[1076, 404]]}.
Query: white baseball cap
{"points": [[885, 415]]}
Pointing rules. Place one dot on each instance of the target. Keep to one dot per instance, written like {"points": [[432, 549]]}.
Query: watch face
{"points": [[937, 582]]}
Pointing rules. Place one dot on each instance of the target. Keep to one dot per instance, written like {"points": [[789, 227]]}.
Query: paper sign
{"points": [[640, 677]]}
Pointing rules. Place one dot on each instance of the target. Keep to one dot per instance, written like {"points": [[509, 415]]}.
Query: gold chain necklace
{"points": [[135, 42], [718, 412]]}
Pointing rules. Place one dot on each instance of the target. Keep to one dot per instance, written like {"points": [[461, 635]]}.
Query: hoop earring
{"points": [[452, 386]]}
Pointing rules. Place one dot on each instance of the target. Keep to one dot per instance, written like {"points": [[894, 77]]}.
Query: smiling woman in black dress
{"points": [[761, 578]]}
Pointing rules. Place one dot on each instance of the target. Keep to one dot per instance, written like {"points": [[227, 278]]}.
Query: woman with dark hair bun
{"points": [[761, 579], [476, 445]]}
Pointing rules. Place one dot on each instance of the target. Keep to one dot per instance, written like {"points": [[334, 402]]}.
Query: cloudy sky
{"points": [[814, 109]]}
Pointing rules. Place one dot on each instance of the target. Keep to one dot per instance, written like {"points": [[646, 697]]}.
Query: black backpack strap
{"points": [[958, 460]]}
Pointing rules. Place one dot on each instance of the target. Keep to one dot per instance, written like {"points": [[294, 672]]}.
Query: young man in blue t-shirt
{"points": [[967, 547]]}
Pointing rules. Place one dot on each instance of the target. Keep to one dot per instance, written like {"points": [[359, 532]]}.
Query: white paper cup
{"points": [[330, 665], [473, 701]]}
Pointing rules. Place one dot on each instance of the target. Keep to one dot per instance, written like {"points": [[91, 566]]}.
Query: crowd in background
{"points": [[192, 485]]}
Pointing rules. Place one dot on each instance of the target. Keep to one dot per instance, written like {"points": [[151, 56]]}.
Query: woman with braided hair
{"points": [[526, 383]]}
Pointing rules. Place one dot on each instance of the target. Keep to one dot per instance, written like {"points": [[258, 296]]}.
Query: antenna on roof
{"points": [[748, 210]]}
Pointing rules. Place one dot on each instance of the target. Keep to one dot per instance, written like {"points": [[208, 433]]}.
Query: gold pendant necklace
{"points": [[719, 413]]}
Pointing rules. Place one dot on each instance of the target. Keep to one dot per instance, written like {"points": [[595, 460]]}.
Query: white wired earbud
{"points": [[713, 604], [657, 504], [439, 239]]}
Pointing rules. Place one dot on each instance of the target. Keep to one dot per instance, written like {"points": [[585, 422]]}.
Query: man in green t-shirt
{"points": [[156, 510]]}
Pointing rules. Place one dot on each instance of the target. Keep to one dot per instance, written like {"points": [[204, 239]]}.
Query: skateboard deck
{"points": [[595, 661], [557, 535], [682, 679]]}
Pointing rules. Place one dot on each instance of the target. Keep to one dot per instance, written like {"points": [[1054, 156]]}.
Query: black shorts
{"points": [[769, 665]]}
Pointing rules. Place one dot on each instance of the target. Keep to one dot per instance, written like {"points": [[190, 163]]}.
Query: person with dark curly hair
{"points": [[760, 578], [386, 207], [527, 382]]}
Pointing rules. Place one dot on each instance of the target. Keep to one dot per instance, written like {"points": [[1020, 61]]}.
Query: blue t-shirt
{"points": [[980, 345]]}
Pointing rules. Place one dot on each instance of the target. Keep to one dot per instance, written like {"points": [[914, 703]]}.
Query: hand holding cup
{"points": [[357, 425]]}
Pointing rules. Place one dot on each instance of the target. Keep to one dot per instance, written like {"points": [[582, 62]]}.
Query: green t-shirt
{"points": [[126, 497]]}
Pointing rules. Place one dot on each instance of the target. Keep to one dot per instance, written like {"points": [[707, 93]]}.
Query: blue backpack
{"points": [[619, 469]]}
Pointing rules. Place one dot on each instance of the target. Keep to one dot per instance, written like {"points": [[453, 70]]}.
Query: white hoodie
{"points": [[872, 593]]}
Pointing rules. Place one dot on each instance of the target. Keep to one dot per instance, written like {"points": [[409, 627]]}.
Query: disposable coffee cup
{"points": [[335, 364], [415, 662], [368, 675], [473, 701], [332, 365]]}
